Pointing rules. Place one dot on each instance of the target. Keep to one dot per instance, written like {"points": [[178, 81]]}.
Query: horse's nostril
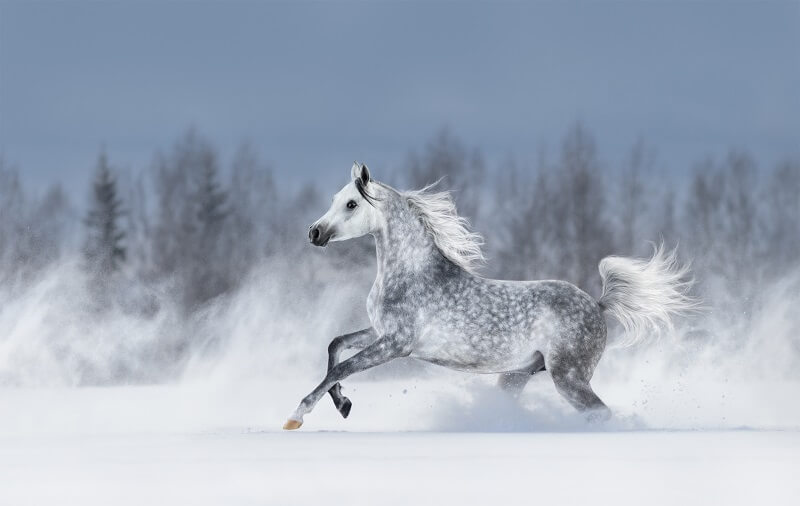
{"points": [[314, 233]]}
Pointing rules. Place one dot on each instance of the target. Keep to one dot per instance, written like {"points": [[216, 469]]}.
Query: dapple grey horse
{"points": [[428, 303]]}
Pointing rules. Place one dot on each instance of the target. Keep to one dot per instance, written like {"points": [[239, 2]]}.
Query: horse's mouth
{"points": [[323, 240]]}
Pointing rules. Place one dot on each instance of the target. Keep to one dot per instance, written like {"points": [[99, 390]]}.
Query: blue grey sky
{"points": [[315, 85]]}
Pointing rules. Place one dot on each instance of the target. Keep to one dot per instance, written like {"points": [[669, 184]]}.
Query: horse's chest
{"points": [[376, 307], [373, 302], [391, 307]]}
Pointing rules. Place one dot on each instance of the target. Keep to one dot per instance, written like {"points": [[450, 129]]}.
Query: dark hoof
{"points": [[344, 409]]}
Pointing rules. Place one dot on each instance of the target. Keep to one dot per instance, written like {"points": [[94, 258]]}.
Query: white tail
{"points": [[644, 295]]}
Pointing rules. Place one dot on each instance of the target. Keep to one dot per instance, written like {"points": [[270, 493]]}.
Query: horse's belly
{"points": [[490, 353]]}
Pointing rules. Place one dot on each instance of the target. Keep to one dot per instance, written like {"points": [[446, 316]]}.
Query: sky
{"points": [[313, 86]]}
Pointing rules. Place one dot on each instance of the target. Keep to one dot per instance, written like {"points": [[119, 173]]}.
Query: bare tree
{"points": [[632, 199], [782, 199], [254, 207], [721, 224], [12, 217], [461, 170], [740, 213], [665, 221], [523, 227], [703, 209], [32, 230], [584, 236], [49, 224], [138, 225]]}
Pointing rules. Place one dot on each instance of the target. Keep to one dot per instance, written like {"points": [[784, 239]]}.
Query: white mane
{"points": [[450, 232]]}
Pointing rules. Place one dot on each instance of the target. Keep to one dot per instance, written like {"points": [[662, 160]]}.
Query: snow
{"points": [[429, 439], [240, 467]]}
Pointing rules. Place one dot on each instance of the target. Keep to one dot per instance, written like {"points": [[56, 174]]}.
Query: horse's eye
{"points": [[352, 204]]}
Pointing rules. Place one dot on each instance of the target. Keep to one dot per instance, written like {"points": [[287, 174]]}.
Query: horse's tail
{"points": [[645, 294]]}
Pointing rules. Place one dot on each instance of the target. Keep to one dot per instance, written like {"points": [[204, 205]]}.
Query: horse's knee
{"points": [[335, 345]]}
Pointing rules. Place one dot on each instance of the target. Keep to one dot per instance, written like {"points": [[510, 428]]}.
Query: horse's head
{"points": [[353, 212]]}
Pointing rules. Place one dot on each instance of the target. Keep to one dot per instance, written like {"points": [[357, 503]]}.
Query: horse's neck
{"points": [[403, 245]]}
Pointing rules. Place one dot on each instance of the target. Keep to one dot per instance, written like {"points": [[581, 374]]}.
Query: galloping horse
{"points": [[427, 302]]}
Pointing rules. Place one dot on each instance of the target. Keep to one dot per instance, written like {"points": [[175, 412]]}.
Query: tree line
{"points": [[196, 226]]}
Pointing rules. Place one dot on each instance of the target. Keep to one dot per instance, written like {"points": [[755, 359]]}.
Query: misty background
{"points": [[160, 165]]}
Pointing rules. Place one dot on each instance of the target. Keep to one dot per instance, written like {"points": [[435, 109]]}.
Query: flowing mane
{"points": [[450, 232]]}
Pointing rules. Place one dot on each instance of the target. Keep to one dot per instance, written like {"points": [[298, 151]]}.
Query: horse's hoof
{"points": [[292, 424], [344, 409]]}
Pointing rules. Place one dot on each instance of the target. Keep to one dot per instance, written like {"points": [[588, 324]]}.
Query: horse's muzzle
{"points": [[319, 236]]}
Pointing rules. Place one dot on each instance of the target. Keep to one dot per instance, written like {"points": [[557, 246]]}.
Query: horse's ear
{"points": [[365, 177], [360, 171]]}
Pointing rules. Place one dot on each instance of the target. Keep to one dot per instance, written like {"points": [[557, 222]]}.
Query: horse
{"points": [[428, 302]]}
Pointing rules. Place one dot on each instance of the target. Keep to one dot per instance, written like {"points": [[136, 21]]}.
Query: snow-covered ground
{"points": [[698, 419], [233, 467], [437, 439]]}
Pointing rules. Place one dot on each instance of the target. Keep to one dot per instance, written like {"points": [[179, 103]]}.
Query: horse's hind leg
{"points": [[359, 339], [576, 390], [514, 382]]}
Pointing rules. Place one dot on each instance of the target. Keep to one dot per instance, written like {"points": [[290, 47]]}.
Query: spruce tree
{"points": [[210, 200], [104, 243]]}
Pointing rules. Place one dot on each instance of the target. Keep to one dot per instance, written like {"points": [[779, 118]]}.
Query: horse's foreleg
{"points": [[381, 351], [357, 340]]}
